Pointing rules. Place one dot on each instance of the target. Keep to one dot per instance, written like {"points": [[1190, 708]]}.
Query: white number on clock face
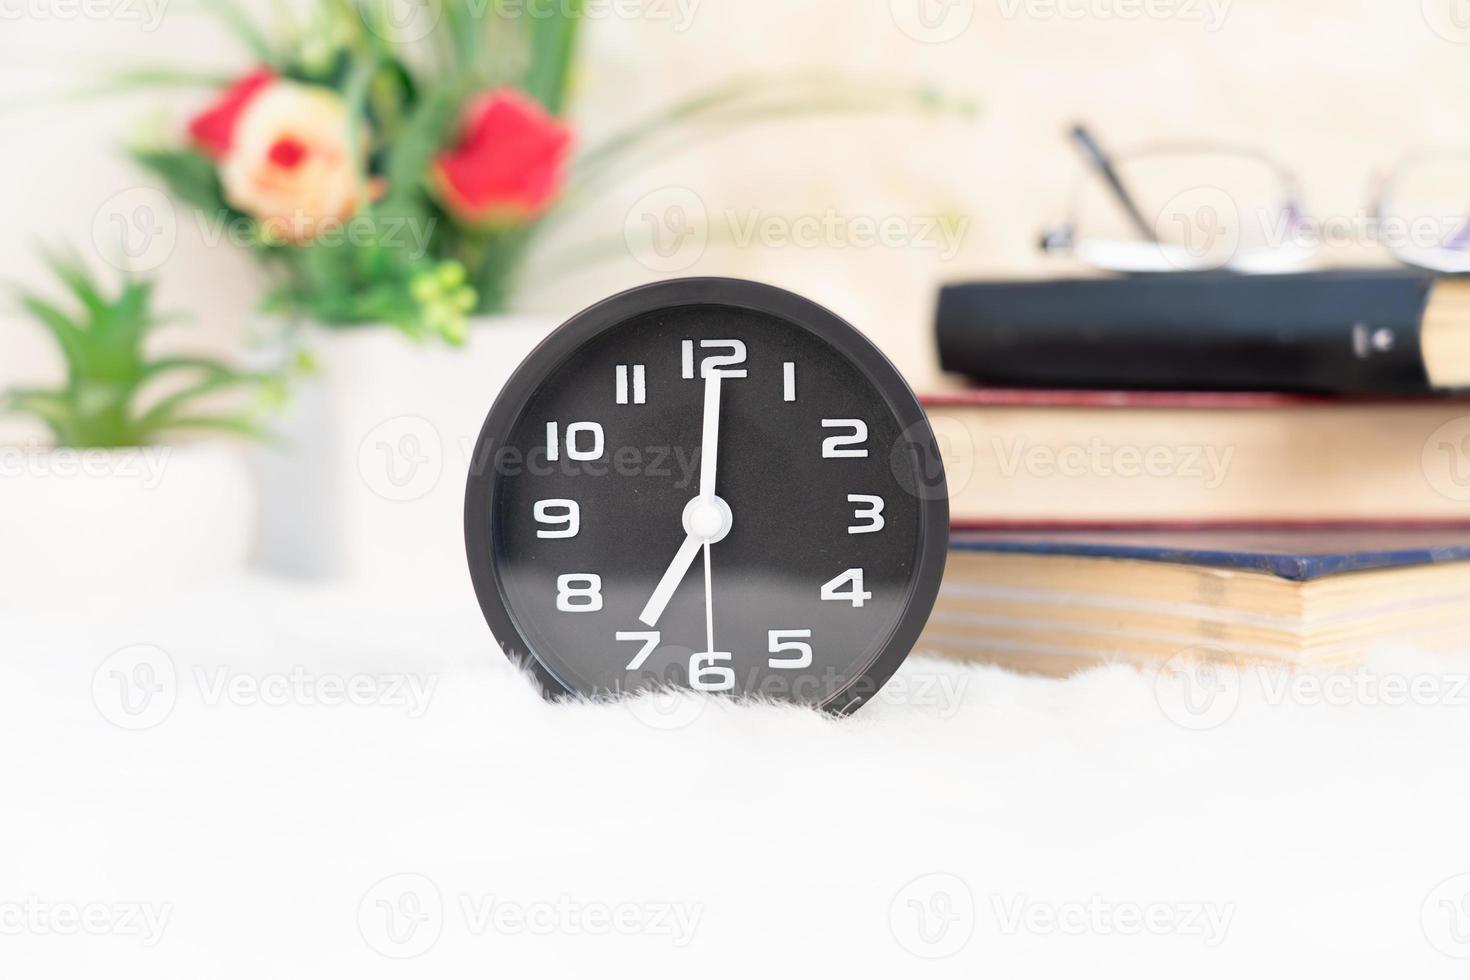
{"points": [[833, 592], [789, 641], [564, 516], [707, 673], [585, 441], [650, 640], [579, 593], [839, 447], [726, 364], [869, 509], [639, 384]]}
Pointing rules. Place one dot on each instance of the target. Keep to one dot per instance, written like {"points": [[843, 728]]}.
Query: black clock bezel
{"points": [[933, 547]]}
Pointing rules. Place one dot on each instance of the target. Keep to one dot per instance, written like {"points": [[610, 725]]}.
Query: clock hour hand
{"points": [[688, 551]]}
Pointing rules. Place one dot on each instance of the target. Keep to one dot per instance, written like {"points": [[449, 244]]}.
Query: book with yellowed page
{"points": [[1337, 332], [1058, 602], [1087, 458]]}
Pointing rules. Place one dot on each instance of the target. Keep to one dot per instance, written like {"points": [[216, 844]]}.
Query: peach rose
{"points": [[213, 130], [290, 162]]}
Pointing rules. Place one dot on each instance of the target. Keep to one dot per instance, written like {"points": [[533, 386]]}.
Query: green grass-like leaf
{"points": [[553, 51]]}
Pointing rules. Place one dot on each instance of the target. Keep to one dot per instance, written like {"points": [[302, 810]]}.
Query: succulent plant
{"points": [[115, 395]]}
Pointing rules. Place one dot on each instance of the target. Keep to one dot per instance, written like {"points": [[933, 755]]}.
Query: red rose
{"points": [[214, 128], [508, 164]]}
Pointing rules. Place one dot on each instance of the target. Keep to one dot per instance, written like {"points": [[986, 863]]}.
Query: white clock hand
{"points": [[709, 605], [709, 455], [666, 585], [709, 446]]}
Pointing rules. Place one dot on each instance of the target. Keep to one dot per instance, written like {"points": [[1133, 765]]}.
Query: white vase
{"points": [[368, 482], [81, 527]]}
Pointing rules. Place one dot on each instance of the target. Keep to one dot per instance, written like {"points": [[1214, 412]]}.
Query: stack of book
{"points": [[1276, 468]]}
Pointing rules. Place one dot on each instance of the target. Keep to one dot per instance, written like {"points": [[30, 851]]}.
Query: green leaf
{"points": [[105, 84], [68, 268], [69, 337], [235, 426], [391, 96], [191, 177], [170, 364], [553, 50], [132, 78], [741, 102], [461, 29], [355, 97], [497, 258], [51, 407], [129, 318], [750, 99], [429, 130], [220, 378], [244, 28]]}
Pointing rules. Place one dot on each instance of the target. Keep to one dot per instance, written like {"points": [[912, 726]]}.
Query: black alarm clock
{"points": [[712, 484]]}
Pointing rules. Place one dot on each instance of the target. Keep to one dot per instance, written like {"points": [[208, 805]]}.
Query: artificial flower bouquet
{"points": [[381, 187], [404, 182]]}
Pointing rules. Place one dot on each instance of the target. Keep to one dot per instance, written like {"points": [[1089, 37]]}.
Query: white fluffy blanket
{"points": [[267, 780]]}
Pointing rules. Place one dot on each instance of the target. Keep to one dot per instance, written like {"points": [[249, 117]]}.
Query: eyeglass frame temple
{"points": [[1098, 159], [1380, 189]]}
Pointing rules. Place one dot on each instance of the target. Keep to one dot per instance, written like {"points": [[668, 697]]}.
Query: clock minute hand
{"points": [[709, 445]]}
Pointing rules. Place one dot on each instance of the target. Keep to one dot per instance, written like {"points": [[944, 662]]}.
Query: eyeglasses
{"points": [[1181, 207]]}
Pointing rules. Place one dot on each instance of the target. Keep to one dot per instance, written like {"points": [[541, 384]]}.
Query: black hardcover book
{"points": [[1389, 332]]}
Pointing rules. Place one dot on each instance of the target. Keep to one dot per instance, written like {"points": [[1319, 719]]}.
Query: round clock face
{"points": [[712, 484]]}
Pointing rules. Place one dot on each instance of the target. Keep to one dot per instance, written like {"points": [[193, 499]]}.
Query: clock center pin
{"points": [[708, 518]]}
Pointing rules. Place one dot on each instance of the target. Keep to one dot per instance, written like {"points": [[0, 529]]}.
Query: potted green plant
{"points": [[141, 486]]}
